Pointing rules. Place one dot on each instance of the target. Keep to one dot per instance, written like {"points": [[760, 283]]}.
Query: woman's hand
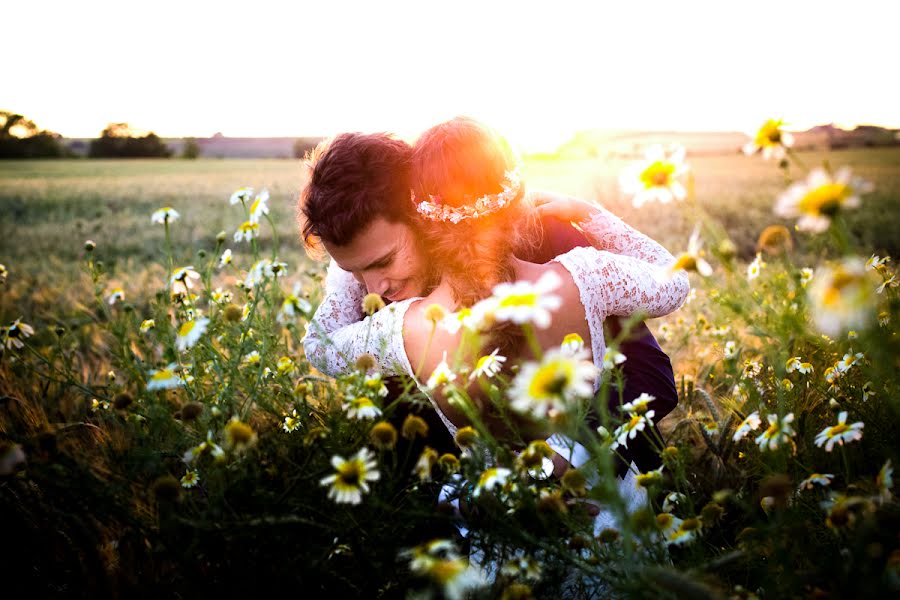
{"points": [[561, 207]]}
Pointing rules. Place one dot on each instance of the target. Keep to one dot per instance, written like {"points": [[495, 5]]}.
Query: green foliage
{"points": [[21, 138], [191, 148], [119, 141]]}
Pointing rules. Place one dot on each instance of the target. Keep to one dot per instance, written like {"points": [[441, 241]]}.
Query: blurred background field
{"points": [[51, 207]]}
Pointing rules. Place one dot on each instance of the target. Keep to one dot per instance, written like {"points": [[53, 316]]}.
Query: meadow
{"points": [[99, 499]]}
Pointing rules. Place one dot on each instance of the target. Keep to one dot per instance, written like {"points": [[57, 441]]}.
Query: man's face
{"points": [[385, 257]]}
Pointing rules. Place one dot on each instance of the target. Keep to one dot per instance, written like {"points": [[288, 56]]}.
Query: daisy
{"points": [[848, 361], [247, 231], [640, 404], [525, 302], [226, 258], [189, 333], [362, 408], [260, 206], [291, 422], [117, 295], [164, 379], [820, 198], [285, 365], [771, 139], [183, 275], [293, 305], [239, 435], [686, 531], [549, 387], [693, 260], [374, 385], [842, 297], [425, 464], [242, 195], [822, 479], [441, 375], [164, 215], [190, 479], [839, 433], [488, 365], [755, 267], [779, 431], [220, 296], [672, 500], [806, 275], [629, 429], [252, 358], [15, 333], [209, 445], [612, 358], [350, 481], [890, 282], [572, 344], [439, 562], [730, 350], [491, 478], [656, 178], [147, 325]]}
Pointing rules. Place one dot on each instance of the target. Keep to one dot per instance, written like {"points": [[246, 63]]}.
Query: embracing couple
{"points": [[445, 222]]}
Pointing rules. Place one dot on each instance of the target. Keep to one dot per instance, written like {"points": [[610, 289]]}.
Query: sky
{"points": [[536, 71]]}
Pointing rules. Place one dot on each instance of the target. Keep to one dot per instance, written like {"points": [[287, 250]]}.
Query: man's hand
{"points": [[561, 207]]}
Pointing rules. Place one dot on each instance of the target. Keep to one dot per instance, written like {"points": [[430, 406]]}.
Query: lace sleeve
{"points": [[606, 231], [612, 284], [338, 334]]}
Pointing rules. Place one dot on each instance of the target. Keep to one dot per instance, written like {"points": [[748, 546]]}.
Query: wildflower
{"points": [[372, 303], [751, 369], [890, 282], [226, 258], [462, 318], [233, 313], [839, 433], [439, 562], [491, 478], [164, 379], [239, 435], [15, 332], [549, 387], [435, 313], [572, 344], [183, 275], [612, 358], [374, 385], [775, 240], [414, 426], [441, 375], [97, 405], [362, 408], [710, 426], [383, 435], [291, 422], [693, 260], [246, 231], [778, 432], [147, 325], [795, 364], [884, 317], [806, 275], [262, 269], [488, 365], [820, 198], [876, 263], [426, 463], [822, 479], [629, 429], [685, 532], [730, 350], [672, 500], [771, 139], [667, 523], [525, 302], [884, 481], [190, 479], [786, 384], [252, 358], [754, 268], [350, 481], [292, 305], [848, 361], [208, 445], [535, 459], [242, 195], [711, 513], [466, 437], [3, 273], [260, 206], [449, 463], [164, 215], [117, 295], [365, 362], [649, 479], [522, 567], [640, 404], [842, 297], [656, 178], [189, 333]]}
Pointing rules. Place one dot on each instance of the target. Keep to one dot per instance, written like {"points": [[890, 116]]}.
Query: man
{"points": [[357, 205]]}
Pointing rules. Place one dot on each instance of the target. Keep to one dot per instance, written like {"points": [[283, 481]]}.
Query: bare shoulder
{"points": [[425, 341]]}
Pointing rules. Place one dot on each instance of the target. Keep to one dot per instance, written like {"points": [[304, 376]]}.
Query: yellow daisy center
{"points": [[186, 328], [769, 134], [162, 375], [838, 429], [825, 199], [658, 174], [551, 379], [447, 570], [686, 262], [772, 430], [529, 299], [350, 474]]}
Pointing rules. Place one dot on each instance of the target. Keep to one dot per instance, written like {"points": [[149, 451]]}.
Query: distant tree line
{"points": [[118, 140], [21, 138]]}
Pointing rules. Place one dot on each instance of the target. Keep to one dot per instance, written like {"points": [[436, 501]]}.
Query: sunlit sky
{"points": [[537, 71]]}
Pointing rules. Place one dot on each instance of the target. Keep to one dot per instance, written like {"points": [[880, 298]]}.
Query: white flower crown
{"points": [[434, 210]]}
